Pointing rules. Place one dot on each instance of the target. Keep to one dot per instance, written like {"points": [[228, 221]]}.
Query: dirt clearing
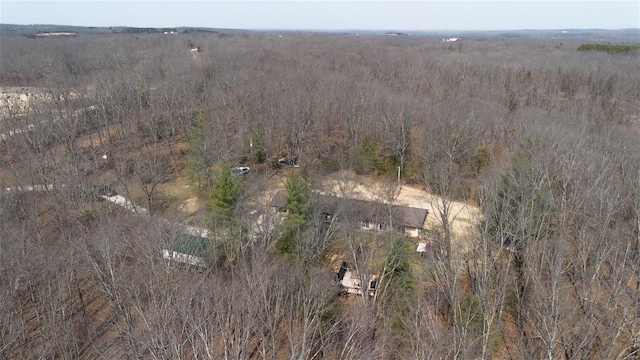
{"points": [[463, 216]]}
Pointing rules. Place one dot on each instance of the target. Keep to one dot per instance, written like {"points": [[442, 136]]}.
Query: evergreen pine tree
{"points": [[197, 156], [368, 158], [257, 143], [224, 194], [298, 212]]}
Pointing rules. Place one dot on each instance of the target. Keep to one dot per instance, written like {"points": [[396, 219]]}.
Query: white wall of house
{"points": [[368, 225], [183, 258], [353, 286], [412, 232]]}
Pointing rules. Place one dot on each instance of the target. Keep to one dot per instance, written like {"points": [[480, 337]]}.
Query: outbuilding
{"points": [[187, 249]]}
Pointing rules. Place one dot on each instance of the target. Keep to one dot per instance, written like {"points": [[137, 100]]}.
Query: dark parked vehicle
{"points": [[289, 161], [106, 190]]}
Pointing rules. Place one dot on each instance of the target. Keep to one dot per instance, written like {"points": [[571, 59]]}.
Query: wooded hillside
{"points": [[543, 138]]}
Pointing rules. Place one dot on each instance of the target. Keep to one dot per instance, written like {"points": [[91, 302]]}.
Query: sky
{"points": [[426, 15]]}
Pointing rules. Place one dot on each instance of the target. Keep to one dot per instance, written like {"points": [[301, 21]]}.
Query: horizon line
{"points": [[326, 29]]}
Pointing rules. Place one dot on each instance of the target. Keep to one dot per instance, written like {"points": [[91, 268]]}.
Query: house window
{"points": [[382, 227], [372, 284], [365, 224]]}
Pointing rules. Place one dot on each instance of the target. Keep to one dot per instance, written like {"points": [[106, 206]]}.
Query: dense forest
{"points": [[540, 136]]}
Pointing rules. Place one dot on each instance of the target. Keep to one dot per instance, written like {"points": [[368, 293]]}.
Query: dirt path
{"points": [[29, 127], [127, 204]]}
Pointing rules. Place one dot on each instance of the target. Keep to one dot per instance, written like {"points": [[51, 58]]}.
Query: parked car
{"points": [[106, 190], [289, 161], [240, 170]]}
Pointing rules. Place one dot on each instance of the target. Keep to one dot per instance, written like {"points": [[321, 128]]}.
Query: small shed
{"points": [[187, 249], [428, 250], [353, 283]]}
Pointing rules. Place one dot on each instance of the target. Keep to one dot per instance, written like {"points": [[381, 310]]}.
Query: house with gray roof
{"points": [[371, 215]]}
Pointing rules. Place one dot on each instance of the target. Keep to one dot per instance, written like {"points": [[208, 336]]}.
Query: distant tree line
{"points": [[610, 48]]}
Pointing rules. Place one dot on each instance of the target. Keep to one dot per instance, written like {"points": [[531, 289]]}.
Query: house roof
{"points": [[398, 216], [189, 244]]}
